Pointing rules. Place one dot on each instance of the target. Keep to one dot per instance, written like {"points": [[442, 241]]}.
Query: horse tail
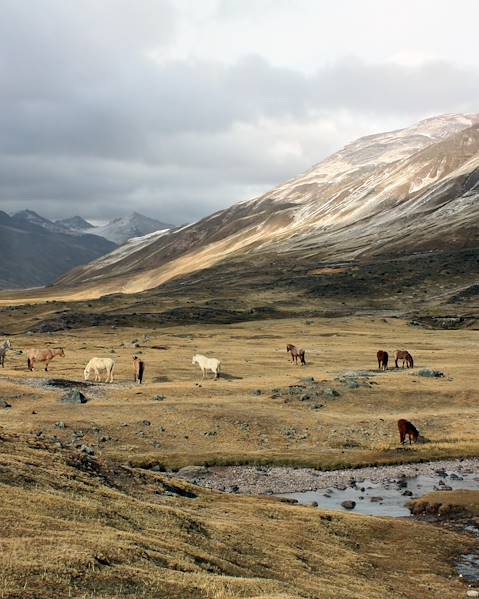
{"points": [[29, 363], [141, 370], [411, 360]]}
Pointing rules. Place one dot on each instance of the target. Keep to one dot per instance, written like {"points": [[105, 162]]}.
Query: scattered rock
{"points": [[191, 471], [74, 396], [348, 504], [472, 593], [376, 499], [59, 424], [330, 392], [4, 404], [159, 397], [431, 373], [256, 392], [87, 449], [146, 423]]}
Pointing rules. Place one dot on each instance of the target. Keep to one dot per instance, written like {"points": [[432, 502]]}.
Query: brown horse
{"points": [[407, 428], [139, 367], [43, 355], [295, 354], [405, 356], [383, 358]]}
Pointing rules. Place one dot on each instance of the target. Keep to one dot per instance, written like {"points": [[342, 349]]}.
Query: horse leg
{"points": [[46, 366]]}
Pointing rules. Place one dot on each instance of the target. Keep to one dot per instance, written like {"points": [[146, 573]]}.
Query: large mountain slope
{"points": [[34, 254], [400, 192]]}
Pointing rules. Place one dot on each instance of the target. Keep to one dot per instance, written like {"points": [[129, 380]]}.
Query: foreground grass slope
{"points": [[81, 527]]}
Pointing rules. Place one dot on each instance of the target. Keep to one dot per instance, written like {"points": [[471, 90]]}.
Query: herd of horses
{"points": [[103, 367]]}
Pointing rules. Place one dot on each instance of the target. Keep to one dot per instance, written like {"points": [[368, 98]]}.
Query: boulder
{"points": [[74, 396], [427, 372], [192, 471], [348, 504]]}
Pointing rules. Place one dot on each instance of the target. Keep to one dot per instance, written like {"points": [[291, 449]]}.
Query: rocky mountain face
{"points": [[386, 195], [36, 251], [75, 223], [120, 230]]}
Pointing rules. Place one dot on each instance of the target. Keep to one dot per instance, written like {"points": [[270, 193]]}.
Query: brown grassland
{"points": [[107, 527]]}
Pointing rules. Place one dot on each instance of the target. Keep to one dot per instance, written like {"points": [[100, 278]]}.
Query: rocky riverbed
{"points": [[265, 480]]}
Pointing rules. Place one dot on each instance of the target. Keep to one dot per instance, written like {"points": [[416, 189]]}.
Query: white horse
{"points": [[207, 364], [3, 350], [97, 365]]}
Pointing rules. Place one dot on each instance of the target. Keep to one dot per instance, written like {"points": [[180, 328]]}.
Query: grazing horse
{"points": [[405, 356], [407, 428], [139, 367], [207, 364], [3, 350], [97, 365], [383, 358], [43, 355], [295, 354]]}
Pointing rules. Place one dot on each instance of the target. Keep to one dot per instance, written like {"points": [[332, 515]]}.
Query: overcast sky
{"points": [[176, 108]]}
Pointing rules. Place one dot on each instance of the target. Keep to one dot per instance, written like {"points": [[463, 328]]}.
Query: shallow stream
{"points": [[384, 498]]}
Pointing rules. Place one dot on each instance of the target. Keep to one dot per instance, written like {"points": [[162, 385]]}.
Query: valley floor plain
{"points": [[106, 525]]}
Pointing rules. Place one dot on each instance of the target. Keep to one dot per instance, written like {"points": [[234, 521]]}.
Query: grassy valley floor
{"points": [[101, 525]]}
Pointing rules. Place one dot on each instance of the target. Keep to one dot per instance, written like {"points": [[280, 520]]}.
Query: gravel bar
{"points": [[264, 480]]}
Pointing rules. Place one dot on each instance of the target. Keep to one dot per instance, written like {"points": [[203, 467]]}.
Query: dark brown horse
{"points": [[405, 356], [139, 367], [383, 358], [407, 428], [295, 354]]}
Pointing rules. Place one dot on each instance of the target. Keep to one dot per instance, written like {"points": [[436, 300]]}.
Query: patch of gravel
{"points": [[265, 480]]}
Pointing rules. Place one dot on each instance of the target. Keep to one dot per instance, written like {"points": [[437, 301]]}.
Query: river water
{"points": [[384, 498]]}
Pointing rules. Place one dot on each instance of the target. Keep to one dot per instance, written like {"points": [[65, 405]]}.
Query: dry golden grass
{"points": [[224, 422], [72, 531], [462, 501], [116, 533]]}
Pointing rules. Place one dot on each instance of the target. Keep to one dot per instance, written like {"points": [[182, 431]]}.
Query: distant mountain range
{"points": [[120, 230], [414, 190], [35, 250]]}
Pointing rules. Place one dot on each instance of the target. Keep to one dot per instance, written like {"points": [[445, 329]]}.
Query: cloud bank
{"points": [[108, 107]]}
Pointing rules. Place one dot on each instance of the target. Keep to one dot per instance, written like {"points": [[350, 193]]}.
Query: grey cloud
{"points": [[90, 123]]}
